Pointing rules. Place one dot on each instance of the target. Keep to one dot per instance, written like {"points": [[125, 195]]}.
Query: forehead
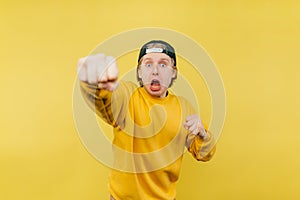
{"points": [[156, 57]]}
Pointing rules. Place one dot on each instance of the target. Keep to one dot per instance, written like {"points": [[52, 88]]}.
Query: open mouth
{"points": [[155, 85], [155, 82]]}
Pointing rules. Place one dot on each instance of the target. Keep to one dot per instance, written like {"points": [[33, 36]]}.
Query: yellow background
{"points": [[255, 45]]}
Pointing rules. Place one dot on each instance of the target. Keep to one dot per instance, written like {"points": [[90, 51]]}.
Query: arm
{"points": [[100, 88], [200, 141], [98, 100]]}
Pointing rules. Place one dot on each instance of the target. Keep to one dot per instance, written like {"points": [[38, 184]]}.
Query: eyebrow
{"points": [[150, 59], [147, 59], [165, 59]]}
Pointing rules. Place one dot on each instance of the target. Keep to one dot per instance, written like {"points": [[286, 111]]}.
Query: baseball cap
{"points": [[165, 48]]}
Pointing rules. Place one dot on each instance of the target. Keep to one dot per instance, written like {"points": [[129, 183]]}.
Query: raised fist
{"points": [[99, 70]]}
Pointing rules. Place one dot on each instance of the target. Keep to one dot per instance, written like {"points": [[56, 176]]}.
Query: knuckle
{"points": [[110, 59]]}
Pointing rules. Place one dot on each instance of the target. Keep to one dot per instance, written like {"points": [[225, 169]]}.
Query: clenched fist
{"points": [[194, 124], [100, 70]]}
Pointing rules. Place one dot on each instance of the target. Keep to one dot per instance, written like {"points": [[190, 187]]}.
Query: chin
{"points": [[157, 93]]}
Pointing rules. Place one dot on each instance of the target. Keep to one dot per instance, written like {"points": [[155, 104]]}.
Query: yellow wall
{"points": [[255, 45]]}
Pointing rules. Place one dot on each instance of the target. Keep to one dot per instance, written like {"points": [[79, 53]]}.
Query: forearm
{"points": [[110, 106], [98, 100], [202, 148]]}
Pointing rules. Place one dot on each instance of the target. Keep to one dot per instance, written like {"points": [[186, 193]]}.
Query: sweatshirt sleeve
{"points": [[109, 106], [201, 149]]}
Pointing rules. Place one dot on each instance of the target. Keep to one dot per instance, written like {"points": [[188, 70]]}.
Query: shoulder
{"points": [[126, 87], [182, 100], [128, 84], [185, 104]]}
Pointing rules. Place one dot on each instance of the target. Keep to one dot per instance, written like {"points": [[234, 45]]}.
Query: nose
{"points": [[155, 70]]}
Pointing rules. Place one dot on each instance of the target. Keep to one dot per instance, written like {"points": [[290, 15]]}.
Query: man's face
{"points": [[156, 72]]}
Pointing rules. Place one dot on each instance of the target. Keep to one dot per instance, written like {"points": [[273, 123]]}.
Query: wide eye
{"points": [[162, 65], [148, 65]]}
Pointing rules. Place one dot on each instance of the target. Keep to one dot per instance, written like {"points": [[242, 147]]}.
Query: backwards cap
{"points": [[166, 49]]}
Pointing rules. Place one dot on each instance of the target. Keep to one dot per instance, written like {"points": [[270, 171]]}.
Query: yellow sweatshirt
{"points": [[149, 140]]}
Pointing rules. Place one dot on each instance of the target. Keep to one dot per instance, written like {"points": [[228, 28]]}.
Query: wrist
{"points": [[203, 134]]}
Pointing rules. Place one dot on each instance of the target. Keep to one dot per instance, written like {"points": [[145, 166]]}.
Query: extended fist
{"points": [[100, 70]]}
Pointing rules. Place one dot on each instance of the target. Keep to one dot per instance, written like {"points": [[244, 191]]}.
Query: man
{"points": [[152, 127]]}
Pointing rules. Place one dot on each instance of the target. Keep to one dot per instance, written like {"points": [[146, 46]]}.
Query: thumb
{"points": [[81, 69], [112, 70]]}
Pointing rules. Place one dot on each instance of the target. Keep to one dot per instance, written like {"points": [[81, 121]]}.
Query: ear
{"points": [[139, 73], [174, 75]]}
